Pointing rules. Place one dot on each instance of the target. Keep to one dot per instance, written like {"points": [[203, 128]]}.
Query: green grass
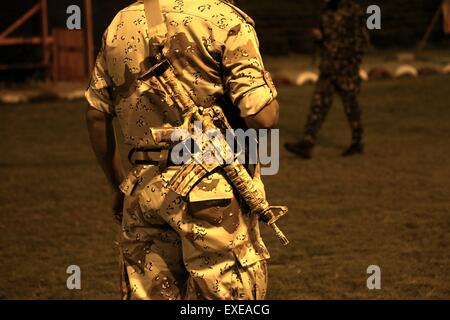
{"points": [[389, 207]]}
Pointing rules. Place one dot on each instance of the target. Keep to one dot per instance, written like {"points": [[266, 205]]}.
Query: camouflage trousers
{"points": [[204, 247], [348, 88]]}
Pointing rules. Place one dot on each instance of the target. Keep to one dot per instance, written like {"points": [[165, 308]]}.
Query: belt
{"points": [[161, 158], [157, 157]]}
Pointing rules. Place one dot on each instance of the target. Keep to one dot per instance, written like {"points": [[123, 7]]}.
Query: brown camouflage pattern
{"points": [[203, 247], [206, 245], [211, 44]]}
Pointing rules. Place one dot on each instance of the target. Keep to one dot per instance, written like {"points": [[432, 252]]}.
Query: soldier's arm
{"points": [[267, 118], [103, 141], [247, 82], [361, 34], [316, 34], [99, 117]]}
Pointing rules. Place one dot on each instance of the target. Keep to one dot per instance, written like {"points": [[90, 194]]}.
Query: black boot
{"points": [[302, 148], [355, 148]]}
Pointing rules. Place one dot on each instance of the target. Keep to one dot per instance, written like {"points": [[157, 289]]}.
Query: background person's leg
{"points": [[320, 106], [349, 92], [353, 113], [322, 100]]}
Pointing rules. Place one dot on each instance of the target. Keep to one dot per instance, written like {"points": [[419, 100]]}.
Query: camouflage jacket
{"points": [[344, 37], [213, 48]]}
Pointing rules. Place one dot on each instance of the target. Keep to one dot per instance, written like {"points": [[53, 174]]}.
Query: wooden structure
{"points": [[440, 11], [66, 55], [68, 60], [43, 39]]}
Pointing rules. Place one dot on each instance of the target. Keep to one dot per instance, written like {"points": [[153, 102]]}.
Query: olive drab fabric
{"points": [[207, 245], [343, 44], [344, 38]]}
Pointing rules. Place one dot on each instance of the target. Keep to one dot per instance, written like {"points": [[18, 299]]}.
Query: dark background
{"points": [[282, 25], [389, 207]]}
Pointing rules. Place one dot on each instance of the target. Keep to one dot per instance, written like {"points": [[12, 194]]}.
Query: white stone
{"points": [[72, 95], [306, 77], [13, 98], [446, 69], [363, 74], [406, 70]]}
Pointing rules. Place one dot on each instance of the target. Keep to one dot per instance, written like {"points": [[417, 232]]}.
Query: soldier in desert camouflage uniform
{"points": [[206, 246], [343, 40]]}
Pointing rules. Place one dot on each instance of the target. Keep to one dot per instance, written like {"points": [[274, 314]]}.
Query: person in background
{"points": [[343, 39]]}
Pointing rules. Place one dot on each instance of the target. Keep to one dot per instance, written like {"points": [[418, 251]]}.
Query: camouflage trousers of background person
{"points": [[204, 247], [348, 87]]}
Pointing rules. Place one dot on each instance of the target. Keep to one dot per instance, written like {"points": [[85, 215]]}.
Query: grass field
{"points": [[389, 207]]}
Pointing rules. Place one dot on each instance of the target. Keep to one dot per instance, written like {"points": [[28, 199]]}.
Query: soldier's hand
{"points": [[117, 205], [316, 34]]}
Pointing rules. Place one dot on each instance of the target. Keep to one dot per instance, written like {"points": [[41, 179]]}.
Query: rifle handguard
{"points": [[254, 198], [235, 172]]}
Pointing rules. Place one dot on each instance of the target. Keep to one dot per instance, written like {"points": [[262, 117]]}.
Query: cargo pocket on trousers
{"points": [[252, 274], [152, 196], [212, 200], [248, 254]]}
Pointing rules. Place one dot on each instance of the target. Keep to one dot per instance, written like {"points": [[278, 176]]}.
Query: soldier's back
{"points": [[197, 36]]}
